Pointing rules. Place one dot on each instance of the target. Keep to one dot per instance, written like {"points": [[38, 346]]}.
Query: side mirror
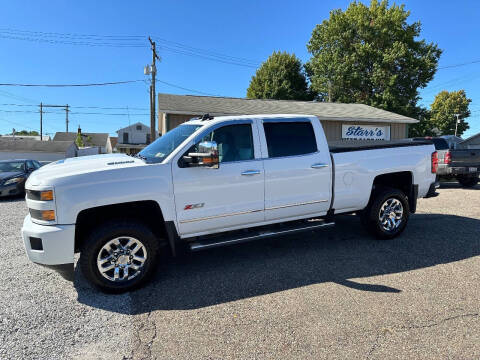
{"points": [[207, 156]]}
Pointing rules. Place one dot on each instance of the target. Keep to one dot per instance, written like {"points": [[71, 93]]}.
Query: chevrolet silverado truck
{"points": [[215, 181]]}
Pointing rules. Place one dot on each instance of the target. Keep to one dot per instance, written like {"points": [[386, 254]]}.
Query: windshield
{"points": [[164, 145], [13, 166]]}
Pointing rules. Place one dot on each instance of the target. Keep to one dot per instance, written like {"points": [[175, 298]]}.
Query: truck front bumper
{"points": [[50, 245]]}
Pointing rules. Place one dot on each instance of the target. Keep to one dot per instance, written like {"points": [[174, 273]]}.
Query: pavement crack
{"points": [[145, 335], [440, 322], [374, 346]]}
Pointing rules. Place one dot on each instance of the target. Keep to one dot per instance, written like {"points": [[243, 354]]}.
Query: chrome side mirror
{"points": [[207, 156]]}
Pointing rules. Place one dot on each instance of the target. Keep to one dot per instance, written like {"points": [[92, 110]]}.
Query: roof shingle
{"points": [[196, 105]]}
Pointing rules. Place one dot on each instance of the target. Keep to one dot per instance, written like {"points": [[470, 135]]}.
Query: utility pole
{"points": [[66, 107], [456, 123], [66, 117], [41, 121], [153, 72]]}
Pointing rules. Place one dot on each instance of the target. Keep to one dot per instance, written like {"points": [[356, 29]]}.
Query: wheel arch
{"points": [[147, 212], [401, 180]]}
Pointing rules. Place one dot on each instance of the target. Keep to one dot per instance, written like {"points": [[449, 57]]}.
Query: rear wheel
{"points": [[387, 214], [468, 181], [119, 256]]}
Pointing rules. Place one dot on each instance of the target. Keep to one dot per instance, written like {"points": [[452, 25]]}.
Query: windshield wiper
{"points": [[138, 156]]}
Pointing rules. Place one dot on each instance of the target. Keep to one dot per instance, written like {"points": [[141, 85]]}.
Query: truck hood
{"points": [[79, 166]]}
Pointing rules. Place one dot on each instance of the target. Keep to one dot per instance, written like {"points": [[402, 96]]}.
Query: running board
{"points": [[257, 235]]}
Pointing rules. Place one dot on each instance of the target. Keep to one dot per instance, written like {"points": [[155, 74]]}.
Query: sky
{"points": [[206, 47]]}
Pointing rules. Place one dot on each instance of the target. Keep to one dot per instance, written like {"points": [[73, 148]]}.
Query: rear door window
{"points": [[289, 138]]}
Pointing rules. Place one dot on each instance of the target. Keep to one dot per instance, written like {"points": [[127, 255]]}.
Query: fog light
{"points": [[45, 215]]}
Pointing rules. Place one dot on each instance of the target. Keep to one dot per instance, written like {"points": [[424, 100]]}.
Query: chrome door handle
{"points": [[251, 172], [319, 166]]}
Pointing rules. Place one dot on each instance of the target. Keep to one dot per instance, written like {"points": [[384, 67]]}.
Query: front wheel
{"points": [[387, 214], [468, 181], [119, 256]]}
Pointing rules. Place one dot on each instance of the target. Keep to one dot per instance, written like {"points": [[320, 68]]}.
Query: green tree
{"points": [[424, 127], [444, 108], [371, 55], [79, 140], [26, 132], [281, 77]]}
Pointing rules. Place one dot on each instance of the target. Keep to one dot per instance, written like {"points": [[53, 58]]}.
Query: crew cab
{"points": [[215, 181]]}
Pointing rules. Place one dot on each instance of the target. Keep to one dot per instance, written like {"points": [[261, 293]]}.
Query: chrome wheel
{"points": [[391, 214], [121, 259]]}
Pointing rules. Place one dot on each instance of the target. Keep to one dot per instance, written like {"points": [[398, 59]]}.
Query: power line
{"points": [[207, 52], [458, 65], [84, 107], [72, 85], [184, 88], [72, 35], [18, 124], [123, 41]]}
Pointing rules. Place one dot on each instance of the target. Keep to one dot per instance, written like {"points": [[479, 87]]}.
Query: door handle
{"points": [[319, 166], [251, 172]]}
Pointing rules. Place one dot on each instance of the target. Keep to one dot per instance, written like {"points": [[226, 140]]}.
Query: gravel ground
{"points": [[333, 294]]}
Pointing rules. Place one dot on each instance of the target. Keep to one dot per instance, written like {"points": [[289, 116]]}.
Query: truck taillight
{"points": [[434, 162], [448, 157]]}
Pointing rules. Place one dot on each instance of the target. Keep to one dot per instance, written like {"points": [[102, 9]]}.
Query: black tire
{"points": [[371, 215], [104, 234], [468, 181]]}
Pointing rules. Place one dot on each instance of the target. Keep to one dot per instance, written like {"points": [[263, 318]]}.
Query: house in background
{"points": [[100, 141], [133, 138], [341, 122], [473, 142], [43, 151]]}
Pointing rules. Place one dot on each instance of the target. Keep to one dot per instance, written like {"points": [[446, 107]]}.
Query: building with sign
{"points": [[340, 121]]}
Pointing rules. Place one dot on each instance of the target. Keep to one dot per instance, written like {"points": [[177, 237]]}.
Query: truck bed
{"points": [[347, 146]]}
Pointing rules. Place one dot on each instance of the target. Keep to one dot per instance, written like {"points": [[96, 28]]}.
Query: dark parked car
{"points": [[455, 162], [13, 174]]}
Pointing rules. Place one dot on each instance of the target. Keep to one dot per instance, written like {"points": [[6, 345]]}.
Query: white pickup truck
{"points": [[212, 182]]}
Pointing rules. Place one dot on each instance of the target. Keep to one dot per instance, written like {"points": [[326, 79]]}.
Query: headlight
{"points": [[45, 215], [46, 195], [13, 181]]}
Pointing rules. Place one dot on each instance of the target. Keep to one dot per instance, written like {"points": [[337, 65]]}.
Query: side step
{"points": [[226, 240]]}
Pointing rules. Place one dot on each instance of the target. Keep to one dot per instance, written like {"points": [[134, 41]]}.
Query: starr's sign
{"points": [[365, 132]]}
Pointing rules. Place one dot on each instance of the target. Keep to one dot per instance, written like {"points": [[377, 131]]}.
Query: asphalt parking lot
{"points": [[332, 294]]}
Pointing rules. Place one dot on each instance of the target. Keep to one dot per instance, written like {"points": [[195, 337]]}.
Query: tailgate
{"points": [[465, 158]]}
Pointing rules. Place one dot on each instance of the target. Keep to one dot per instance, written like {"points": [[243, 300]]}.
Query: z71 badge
{"points": [[193, 206]]}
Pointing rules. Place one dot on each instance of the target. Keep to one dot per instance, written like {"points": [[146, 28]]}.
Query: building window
{"points": [[139, 127], [125, 138]]}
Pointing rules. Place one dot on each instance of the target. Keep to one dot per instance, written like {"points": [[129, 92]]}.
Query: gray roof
{"points": [[133, 125], [196, 105], [97, 139], [21, 145], [470, 139]]}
